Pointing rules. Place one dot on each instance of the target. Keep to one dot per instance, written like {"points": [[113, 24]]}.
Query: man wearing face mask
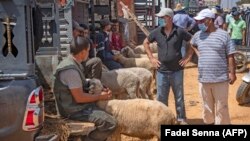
{"points": [[169, 63], [216, 66]]}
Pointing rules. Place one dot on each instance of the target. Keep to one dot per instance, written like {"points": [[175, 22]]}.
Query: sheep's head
{"points": [[124, 51], [116, 52], [104, 68], [95, 86], [117, 57]]}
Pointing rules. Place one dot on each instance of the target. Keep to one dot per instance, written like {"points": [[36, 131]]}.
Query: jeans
{"points": [[105, 124], [237, 42], [111, 64], [175, 80]]}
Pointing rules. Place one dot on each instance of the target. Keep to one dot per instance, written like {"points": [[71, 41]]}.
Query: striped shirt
{"points": [[213, 49]]}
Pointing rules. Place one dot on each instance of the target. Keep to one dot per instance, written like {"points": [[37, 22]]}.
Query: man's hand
{"points": [[155, 62], [184, 61], [106, 94], [232, 78]]}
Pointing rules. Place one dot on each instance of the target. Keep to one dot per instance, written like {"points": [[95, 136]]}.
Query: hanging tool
{"points": [[138, 23], [10, 48]]}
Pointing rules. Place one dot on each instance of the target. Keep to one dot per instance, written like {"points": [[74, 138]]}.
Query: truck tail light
{"points": [[34, 113], [30, 118]]}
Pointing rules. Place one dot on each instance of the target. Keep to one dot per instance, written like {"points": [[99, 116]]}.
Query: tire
{"points": [[241, 62], [243, 96]]}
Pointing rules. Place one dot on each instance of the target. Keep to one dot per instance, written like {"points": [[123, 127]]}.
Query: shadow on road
{"points": [[195, 121]]}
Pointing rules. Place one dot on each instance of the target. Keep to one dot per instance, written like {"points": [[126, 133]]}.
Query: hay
{"points": [[53, 124], [56, 126]]}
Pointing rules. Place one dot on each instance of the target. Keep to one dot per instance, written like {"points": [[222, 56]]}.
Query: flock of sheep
{"points": [[133, 104]]}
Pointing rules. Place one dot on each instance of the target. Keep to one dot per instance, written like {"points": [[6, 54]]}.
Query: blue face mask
{"points": [[202, 27], [162, 22]]}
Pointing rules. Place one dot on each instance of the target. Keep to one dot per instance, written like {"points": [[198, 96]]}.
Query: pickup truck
{"points": [[21, 97], [35, 36]]}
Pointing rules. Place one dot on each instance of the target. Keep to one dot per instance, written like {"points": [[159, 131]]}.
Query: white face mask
{"points": [[202, 27]]}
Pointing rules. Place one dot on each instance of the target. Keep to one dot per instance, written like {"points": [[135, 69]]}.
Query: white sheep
{"points": [[140, 118], [134, 62], [122, 83], [141, 50], [146, 81], [129, 53], [137, 62], [94, 86]]}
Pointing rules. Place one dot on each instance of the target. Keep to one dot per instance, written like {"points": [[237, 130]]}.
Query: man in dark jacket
{"points": [[103, 46]]}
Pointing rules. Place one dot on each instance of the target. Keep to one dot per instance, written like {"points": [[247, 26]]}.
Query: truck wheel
{"points": [[243, 96], [241, 62]]}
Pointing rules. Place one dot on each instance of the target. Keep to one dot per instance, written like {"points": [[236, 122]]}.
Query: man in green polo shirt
{"points": [[238, 29]]}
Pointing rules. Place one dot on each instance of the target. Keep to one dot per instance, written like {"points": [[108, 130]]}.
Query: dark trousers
{"points": [[237, 42], [93, 68], [105, 123], [111, 65]]}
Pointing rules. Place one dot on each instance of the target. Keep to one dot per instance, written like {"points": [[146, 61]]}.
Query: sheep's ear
{"points": [[92, 86]]}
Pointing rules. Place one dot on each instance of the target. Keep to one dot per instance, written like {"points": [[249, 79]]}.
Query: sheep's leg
{"points": [[133, 90], [143, 93], [148, 89], [132, 93], [153, 85]]}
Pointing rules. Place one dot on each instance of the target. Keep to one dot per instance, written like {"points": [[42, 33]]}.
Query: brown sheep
{"points": [[140, 118]]}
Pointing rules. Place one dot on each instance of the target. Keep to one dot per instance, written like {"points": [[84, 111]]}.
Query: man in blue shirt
{"points": [[103, 46], [183, 20]]}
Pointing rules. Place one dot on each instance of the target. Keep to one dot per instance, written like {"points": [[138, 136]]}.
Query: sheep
{"points": [[132, 114], [141, 50], [129, 53], [140, 118], [122, 83], [137, 62], [146, 81], [134, 62], [94, 86]]}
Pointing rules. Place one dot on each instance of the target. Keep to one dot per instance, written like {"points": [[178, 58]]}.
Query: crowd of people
{"points": [[214, 44]]}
